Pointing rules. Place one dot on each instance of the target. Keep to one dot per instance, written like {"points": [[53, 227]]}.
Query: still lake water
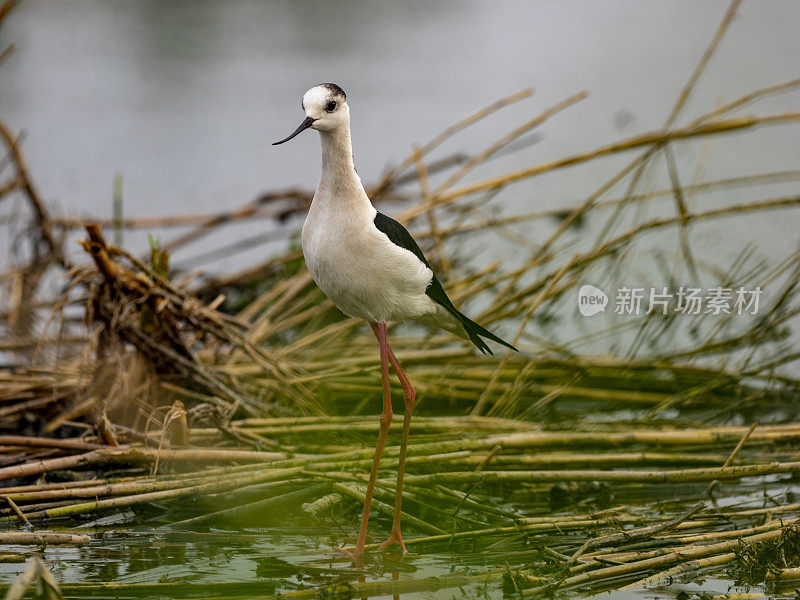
{"points": [[183, 98]]}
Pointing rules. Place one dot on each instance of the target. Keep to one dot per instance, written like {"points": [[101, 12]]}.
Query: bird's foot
{"points": [[394, 538], [357, 557]]}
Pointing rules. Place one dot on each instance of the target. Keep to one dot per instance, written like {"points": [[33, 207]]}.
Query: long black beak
{"points": [[303, 126]]}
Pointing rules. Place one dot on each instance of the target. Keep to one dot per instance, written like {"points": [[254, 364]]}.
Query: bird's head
{"points": [[326, 109]]}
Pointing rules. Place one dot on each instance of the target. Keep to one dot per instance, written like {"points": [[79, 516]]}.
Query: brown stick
{"points": [[42, 215], [42, 442], [678, 555], [105, 457], [17, 511], [625, 537], [682, 475], [41, 538], [733, 455], [701, 65], [446, 134], [646, 139], [215, 486]]}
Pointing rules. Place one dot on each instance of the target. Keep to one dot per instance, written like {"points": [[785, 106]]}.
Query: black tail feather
{"points": [[399, 236], [476, 333]]}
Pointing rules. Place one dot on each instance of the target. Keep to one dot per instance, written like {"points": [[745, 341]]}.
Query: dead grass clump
{"points": [[137, 304], [758, 562]]}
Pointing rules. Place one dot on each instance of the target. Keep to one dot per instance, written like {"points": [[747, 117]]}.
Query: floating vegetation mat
{"points": [[492, 506]]}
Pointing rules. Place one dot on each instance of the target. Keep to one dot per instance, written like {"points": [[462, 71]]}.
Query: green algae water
{"points": [[470, 534]]}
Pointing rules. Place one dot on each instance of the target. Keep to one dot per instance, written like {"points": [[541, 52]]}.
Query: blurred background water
{"points": [[184, 99]]}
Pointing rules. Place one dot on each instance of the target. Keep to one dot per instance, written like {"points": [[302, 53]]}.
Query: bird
{"points": [[371, 268]]}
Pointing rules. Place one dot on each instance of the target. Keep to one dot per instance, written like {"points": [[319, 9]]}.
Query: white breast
{"points": [[359, 268]]}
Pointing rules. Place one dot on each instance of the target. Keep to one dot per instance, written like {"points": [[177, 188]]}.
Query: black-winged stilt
{"points": [[369, 266]]}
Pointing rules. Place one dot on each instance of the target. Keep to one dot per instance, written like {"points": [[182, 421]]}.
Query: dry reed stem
{"points": [[445, 135], [687, 567], [614, 244], [665, 476], [538, 301], [227, 484], [36, 202], [734, 453], [677, 555], [687, 90], [133, 455], [654, 138], [634, 535], [504, 141], [41, 538]]}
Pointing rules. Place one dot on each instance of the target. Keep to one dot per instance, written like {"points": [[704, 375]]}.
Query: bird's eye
{"points": [[330, 106]]}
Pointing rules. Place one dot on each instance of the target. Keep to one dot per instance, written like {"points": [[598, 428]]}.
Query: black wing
{"points": [[400, 236]]}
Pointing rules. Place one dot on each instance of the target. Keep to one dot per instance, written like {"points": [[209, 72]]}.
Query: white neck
{"points": [[339, 180]]}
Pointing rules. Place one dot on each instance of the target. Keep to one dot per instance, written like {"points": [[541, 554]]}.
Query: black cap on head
{"points": [[335, 89]]}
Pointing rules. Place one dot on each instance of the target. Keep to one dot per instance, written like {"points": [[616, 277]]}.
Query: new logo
{"points": [[591, 300]]}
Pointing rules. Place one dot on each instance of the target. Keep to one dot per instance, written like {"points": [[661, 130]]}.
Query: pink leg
{"points": [[409, 395], [386, 419]]}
